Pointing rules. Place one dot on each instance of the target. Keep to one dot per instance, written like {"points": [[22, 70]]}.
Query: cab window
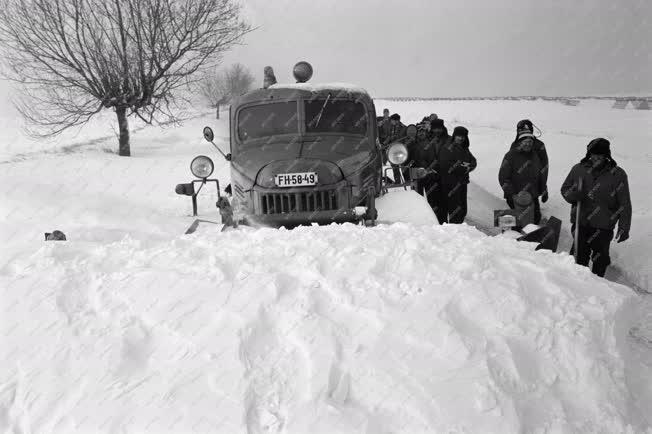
{"points": [[268, 120], [335, 116]]}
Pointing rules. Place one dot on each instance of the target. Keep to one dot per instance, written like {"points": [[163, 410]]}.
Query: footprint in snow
{"points": [[137, 347], [273, 369]]}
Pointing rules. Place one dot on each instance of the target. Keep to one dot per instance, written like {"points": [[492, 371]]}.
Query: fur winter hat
{"points": [[460, 131], [395, 117], [599, 146], [524, 125], [437, 123]]}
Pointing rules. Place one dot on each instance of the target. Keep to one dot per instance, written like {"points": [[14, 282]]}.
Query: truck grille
{"points": [[285, 203]]}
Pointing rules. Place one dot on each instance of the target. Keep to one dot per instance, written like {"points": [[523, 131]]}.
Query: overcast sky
{"points": [[457, 47], [454, 47]]}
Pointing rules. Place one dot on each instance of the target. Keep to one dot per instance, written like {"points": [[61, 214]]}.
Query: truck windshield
{"points": [[268, 120], [335, 116]]}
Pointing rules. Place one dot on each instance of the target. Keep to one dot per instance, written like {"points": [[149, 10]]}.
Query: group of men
{"points": [[447, 159], [596, 187]]}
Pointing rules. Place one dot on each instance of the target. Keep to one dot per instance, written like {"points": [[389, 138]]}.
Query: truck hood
{"points": [[331, 157]]}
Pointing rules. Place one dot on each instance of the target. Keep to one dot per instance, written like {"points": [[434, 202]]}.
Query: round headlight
{"points": [[397, 153], [202, 166]]}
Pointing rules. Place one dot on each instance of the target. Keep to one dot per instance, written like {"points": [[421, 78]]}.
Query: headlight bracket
{"points": [[190, 190]]}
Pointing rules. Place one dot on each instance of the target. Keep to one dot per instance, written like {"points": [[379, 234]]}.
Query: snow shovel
{"points": [[576, 238], [193, 227]]}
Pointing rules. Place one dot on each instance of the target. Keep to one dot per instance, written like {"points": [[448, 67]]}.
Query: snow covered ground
{"points": [[405, 328]]}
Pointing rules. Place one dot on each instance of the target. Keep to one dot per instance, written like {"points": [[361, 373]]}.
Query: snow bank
{"points": [[405, 206], [338, 329], [129, 327]]}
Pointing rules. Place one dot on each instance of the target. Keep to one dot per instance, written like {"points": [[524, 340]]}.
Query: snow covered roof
{"points": [[293, 90], [319, 87]]}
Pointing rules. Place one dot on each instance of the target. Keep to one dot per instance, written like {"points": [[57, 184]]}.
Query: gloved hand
{"points": [[622, 235], [544, 196], [510, 201], [466, 167], [431, 174], [591, 194], [460, 170], [581, 191]]}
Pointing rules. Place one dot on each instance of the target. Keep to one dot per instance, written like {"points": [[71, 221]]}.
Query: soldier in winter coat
{"points": [[438, 133], [526, 126], [397, 133], [421, 153], [454, 163], [522, 170], [383, 126], [438, 137], [600, 188]]}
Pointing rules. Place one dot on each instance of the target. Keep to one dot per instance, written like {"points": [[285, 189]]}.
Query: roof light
{"points": [[302, 71]]}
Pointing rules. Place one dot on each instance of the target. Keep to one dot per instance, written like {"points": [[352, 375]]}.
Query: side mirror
{"points": [[185, 189], [208, 134]]}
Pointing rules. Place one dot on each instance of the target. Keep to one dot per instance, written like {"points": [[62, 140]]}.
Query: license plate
{"points": [[295, 179]]}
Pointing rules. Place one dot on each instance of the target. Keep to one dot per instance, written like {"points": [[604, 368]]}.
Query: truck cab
{"points": [[302, 153]]}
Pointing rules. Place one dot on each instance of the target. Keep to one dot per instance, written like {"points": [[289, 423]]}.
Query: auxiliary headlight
{"points": [[397, 154], [202, 167]]}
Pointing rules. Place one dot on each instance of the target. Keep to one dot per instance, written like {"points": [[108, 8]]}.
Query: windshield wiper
{"points": [[321, 112]]}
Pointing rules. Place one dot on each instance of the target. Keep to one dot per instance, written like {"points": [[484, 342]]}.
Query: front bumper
{"points": [[301, 218]]}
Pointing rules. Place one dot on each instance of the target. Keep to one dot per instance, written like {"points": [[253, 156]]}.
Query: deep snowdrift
{"points": [[399, 328], [131, 327]]}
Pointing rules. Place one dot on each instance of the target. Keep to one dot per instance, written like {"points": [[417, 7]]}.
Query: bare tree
{"points": [[220, 87], [77, 57]]}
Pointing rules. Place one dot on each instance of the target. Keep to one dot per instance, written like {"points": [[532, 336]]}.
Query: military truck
{"points": [[301, 153]]}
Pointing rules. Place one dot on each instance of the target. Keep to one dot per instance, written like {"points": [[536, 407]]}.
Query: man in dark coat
{"points": [[521, 170], [438, 137], [421, 153], [383, 126], [600, 187], [397, 133], [526, 126], [438, 133], [454, 163]]}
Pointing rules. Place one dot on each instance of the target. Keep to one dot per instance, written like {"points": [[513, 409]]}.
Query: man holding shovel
{"points": [[598, 190], [522, 171]]}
